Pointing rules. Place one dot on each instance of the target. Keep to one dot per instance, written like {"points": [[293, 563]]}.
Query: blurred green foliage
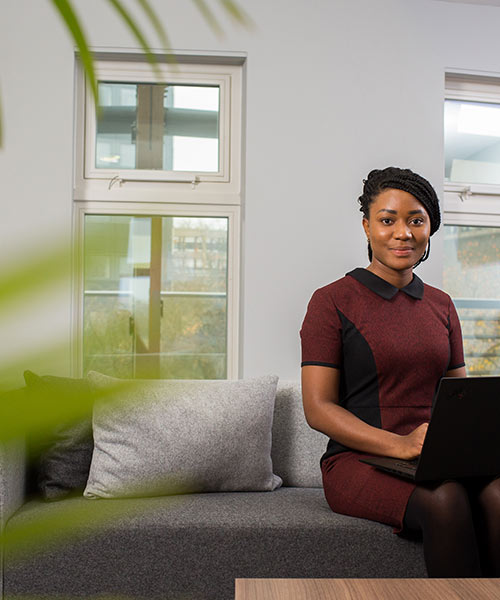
{"points": [[36, 415], [73, 23]]}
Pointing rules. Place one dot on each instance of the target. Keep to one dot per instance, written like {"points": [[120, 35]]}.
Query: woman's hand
{"points": [[410, 445]]}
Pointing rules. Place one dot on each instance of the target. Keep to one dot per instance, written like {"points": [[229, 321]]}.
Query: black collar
{"points": [[383, 288]]}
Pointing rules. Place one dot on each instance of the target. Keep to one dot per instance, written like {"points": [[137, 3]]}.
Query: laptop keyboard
{"points": [[408, 464]]}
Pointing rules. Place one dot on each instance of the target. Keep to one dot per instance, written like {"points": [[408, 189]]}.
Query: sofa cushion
{"points": [[194, 546], [297, 448], [159, 437], [62, 457]]}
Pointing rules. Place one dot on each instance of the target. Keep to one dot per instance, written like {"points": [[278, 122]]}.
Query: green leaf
{"points": [[137, 33], [209, 16], [37, 411], [46, 359], [155, 21], [236, 13], [41, 270], [73, 518], [68, 15]]}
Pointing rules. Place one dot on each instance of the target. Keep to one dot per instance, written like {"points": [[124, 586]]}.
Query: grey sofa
{"points": [[195, 545]]}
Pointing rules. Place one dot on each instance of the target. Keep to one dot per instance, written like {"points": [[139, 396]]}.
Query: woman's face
{"points": [[398, 229]]}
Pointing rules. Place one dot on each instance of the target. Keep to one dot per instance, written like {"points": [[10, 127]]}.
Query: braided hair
{"points": [[408, 181]]}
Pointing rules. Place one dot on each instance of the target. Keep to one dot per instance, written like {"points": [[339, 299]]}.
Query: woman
{"points": [[374, 347]]}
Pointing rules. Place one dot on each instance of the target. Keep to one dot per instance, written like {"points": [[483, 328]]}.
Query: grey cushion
{"points": [[165, 437], [62, 457], [194, 546], [297, 448]]}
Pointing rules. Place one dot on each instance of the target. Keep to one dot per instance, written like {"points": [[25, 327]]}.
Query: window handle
{"points": [[465, 193], [114, 180]]}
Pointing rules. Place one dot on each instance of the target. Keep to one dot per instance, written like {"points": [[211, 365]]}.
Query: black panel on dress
{"points": [[358, 375]]}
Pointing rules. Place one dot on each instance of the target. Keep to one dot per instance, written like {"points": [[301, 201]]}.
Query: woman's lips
{"points": [[404, 251]]}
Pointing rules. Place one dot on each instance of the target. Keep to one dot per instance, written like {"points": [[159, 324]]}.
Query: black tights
{"points": [[460, 525]]}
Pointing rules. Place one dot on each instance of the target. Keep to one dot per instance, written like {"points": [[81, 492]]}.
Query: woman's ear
{"points": [[366, 227]]}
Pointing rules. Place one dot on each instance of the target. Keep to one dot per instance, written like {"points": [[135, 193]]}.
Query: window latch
{"points": [[465, 193], [114, 180]]}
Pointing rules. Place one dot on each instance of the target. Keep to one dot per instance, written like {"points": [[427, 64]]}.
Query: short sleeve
{"points": [[456, 342], [321, 332]]}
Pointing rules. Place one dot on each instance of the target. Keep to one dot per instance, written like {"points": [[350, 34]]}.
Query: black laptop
{"points": [[463, 439]]}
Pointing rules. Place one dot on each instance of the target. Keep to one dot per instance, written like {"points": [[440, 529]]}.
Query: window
{"points": [[472, 215], [170, 128], [157, 222], [472, 139], [472, 278]]}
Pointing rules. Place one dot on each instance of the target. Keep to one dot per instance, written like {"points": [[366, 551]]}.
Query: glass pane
{"points": [[157, 126], [472, 142], [155, 296], [472, 278]]}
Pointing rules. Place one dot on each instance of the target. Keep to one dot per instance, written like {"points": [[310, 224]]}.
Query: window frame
{"points": [[471, 203], [232, 213], [190, 195], [118, 185]]}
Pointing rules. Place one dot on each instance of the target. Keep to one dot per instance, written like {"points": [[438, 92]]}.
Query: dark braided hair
{"points": [[408, 181]]}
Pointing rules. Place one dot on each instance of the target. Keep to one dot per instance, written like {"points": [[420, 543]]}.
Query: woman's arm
{"points": [[320, 394], [460, 372]]}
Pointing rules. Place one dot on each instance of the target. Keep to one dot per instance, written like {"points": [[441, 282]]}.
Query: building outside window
{"points": [[157, 222], [472, 215], [154, 305], [173, 128]]}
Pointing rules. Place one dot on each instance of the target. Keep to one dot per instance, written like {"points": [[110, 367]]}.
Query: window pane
{"points": [[472, 278], [472, 142], [156, 126], [155, 296]]}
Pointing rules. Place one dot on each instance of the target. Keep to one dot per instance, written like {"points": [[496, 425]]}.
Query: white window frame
{"points": [[176, 194], [182, 186], [232, 213], [471, 203]]}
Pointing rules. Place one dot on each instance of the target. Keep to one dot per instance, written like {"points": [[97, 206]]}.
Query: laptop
{"points": [[463, 438]]}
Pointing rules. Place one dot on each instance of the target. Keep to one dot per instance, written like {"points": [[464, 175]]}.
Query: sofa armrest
{"points": [[12, 486], [12, 478], [12, 463]]}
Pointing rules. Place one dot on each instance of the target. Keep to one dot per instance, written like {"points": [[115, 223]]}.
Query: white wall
{"points": [[334, 89]]}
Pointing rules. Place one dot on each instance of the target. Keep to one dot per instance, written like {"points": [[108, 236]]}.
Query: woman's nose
{"points": [[402, 231]]}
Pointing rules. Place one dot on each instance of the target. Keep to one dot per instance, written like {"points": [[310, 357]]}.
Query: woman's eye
{"points": [[417, 221], [386, 221]]}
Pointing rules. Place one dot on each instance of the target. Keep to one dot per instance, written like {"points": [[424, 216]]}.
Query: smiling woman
{"points": [[375, 345], [419, 197]]}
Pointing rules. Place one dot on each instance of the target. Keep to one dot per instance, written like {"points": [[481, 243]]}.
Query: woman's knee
{"points": [[446, 504], [489, 499]]}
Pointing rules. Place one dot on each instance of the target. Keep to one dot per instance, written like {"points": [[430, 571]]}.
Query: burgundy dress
{"points": [[392, 347]]}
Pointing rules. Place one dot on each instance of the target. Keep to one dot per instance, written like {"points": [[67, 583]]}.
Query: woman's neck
{"points": [[399, 279]]}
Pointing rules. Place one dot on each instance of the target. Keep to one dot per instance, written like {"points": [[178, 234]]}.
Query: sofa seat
{"points": [[165, 547]]}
